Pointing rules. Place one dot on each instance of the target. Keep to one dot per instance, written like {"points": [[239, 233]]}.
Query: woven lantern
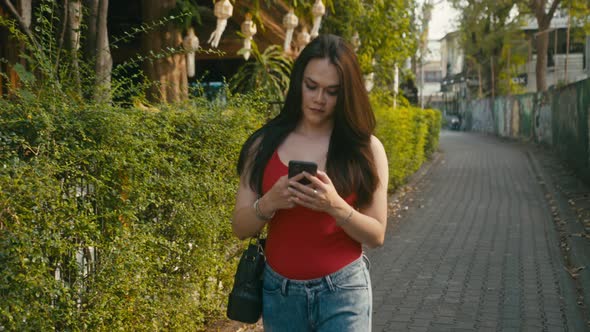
{"points": [[370, 78], [223, 10], [369, 81], [190, 44], [249, 30], [303, 38], [317, 11], [290, 22], [356, 41]]}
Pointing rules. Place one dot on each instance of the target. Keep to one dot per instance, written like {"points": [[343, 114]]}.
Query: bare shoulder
{"points": [[377, 148], [256, 143], [380, 159], [247, 157], [253, 148]]}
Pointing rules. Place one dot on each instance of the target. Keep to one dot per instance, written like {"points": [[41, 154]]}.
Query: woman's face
{"points": [[319, 91]]}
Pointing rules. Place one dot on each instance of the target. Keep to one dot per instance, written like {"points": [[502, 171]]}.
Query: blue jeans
{"points": [[341, 301]]}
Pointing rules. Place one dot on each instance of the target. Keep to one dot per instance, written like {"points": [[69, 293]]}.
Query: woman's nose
{"points": [[319, 96]]}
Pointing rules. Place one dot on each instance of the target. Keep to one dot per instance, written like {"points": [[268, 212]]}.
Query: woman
{"points": [[315, 277]]}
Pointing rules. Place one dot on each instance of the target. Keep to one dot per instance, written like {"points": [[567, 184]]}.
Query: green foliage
{"points": [[385, 29], [145, 197], [491, 35], [115, 218], [43, 51], [492, 41], [191, 11], [150, 192], [433, 123], [578, 9], [409, 135], [268, 72]]}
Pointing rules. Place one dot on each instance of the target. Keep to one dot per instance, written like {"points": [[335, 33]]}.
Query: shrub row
{"points": [[116, 218], [409, 135]]}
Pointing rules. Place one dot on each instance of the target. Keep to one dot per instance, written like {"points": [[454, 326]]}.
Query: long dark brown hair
{"points": [[350, 163]]}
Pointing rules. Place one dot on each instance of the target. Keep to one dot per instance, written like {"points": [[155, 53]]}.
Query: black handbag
{"points": [[245, 300]]}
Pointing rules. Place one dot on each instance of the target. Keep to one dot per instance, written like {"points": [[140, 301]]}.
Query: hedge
{"points": [[409, 135], [144, 197], [119, 219]]}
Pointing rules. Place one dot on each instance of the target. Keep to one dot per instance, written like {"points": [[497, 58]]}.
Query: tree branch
{"points": [[22, 23], [532, 4], [553, 8]]}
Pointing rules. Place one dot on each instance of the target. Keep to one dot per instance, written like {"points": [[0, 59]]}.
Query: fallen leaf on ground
{"points": [[573, 271]]}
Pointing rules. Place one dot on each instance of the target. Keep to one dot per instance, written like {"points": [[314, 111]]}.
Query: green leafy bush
{"points": [[434, 123], [115, 218], [409, 135]]}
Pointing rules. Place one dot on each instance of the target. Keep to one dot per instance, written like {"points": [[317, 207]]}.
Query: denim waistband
{"points": [[328, 280]]}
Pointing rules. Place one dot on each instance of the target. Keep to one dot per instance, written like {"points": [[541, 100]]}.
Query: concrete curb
{"points": [[575, 253], [417, 176]]}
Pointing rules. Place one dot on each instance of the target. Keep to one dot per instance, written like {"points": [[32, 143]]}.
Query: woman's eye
{"points": [[310, 87], [333, 92]]}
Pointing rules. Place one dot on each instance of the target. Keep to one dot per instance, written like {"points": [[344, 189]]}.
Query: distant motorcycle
{"points": [[455, 123]]}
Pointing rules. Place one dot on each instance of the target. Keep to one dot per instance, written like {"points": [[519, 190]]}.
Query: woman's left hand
{"points": [[319, 195]]}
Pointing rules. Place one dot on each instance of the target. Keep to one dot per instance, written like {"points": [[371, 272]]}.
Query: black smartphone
{"points": [[298, 166]]}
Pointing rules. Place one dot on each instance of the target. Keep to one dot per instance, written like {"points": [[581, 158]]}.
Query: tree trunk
{"points": [[74, 12], [544, 18], [90, 44], [492, 77], [104, 61], [15, 49], [3, 68], [97, 48], [479, 82], [167, 75], [541, 66], [26, 11]]}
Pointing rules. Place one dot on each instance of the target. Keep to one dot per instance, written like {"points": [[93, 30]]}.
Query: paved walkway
{"points": [[477, 249]]}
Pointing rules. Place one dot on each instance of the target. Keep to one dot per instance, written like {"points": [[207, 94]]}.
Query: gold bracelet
{"points": [[259, 214], [347, 219]]}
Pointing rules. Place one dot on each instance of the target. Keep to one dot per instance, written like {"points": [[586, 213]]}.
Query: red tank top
{"points": [[304, 244]]}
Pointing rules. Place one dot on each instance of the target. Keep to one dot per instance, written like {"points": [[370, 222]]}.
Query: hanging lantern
{"points": [[317, 11], [370, 78], [223, 10], [396, 79], [395, 84], [290, 22], [249, 30], [356, 41], [303, 38], [190, 44], [369, 81]]}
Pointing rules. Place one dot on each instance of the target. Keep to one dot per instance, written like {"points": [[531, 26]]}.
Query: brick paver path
{"points": [[477, 249]]}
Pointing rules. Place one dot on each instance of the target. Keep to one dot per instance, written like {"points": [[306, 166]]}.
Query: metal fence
{"points": [[558, 118]]}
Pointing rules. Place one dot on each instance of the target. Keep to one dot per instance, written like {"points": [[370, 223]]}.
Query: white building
{"points": [[576, 60], [429, 74], [454, 82], [563, 66]]}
